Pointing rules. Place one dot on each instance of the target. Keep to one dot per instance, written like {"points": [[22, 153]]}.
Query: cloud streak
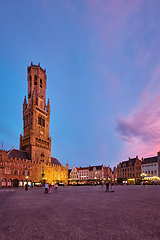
{"points": [[143, 124]]}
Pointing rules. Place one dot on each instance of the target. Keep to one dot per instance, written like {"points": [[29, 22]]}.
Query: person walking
{"points": [[46, 187], [112, 184], [50, 188], [56, 187], [107, 186]]}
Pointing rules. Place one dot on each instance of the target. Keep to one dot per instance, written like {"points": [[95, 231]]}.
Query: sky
{"points": [[102, 60]]}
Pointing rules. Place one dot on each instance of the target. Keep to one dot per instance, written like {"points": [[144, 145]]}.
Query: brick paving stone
{"points": [[81, 212]]}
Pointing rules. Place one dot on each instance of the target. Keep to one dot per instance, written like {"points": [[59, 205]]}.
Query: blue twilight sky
{"points": [[102, 60]]}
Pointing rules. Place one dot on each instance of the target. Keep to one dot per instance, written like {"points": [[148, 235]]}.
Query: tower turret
{"points": [[36, 140]]}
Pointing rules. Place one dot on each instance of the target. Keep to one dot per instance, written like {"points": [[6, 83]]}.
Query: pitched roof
{"points": [[150, 160], [97, 168], [15, 153], [127, 163], [55, 161], [83, 168]]}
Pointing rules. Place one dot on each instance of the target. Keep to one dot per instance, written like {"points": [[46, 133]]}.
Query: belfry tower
{"points": [[36, 117]]}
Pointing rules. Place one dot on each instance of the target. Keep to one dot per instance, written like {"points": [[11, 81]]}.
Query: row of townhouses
{"points": [[134, 170], [90, 174]]}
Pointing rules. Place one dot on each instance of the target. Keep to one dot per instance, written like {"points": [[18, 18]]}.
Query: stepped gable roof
{"points": [[15, 153], [127, 163], [55, 161], [97, 168], [150, 160]]}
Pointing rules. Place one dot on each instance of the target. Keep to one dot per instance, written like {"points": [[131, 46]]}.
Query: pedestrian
{"points": [[56, 186], [143, 184], [46, 187], [112, 184], [50, 188], [26, 186], [107, 186]]}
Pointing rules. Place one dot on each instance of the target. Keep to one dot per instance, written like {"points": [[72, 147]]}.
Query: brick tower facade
{"points": [[36, 117]]}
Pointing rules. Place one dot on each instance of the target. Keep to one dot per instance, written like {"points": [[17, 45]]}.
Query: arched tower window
{"points": [[26, 120], [30, 80], [35, 80], [40, 83]]}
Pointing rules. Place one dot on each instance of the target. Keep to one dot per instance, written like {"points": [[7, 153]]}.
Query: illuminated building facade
{"points": [[129, 171], [87, 174], [150, 168], [33, 162]]}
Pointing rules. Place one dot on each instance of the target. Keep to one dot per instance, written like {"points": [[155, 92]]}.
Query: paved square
{"points": [[81, 212]]}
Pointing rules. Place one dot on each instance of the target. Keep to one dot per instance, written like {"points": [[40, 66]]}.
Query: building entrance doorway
{"points": [[15, 183]]}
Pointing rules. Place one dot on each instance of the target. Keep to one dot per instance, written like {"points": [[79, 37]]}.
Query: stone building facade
{"points": [[33, 162], [36, 117], [150, 168], [129, 171]]}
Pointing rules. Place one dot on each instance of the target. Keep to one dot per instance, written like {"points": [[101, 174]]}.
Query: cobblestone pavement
{"points": [[81, 212]]}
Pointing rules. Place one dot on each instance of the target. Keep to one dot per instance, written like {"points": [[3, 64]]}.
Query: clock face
{"points": [[41, 132]]}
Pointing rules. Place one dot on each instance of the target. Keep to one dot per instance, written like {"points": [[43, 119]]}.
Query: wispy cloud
{"points": [[141, 130], [143, 123]]}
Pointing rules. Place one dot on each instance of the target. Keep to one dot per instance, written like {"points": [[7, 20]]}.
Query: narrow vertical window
{"points": [[35, 80], [30, 79], [40, 83], [43, 122], [26, 120], [39, 120]]}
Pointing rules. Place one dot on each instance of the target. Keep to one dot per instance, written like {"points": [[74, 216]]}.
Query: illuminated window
{"points": [[7, 170]]}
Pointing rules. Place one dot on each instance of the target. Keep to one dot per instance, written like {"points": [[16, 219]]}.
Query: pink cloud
{"points": [[141, 130]]}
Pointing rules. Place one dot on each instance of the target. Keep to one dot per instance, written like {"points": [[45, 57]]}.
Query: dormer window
{"points": [[35, 80], [40, 83]]}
